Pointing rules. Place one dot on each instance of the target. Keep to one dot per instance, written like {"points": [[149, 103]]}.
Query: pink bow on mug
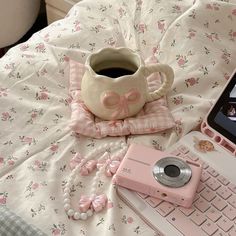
{"points": [[112, 100], [96, 202]]}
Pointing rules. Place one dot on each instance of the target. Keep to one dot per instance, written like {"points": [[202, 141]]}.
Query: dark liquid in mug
{"points": [[114, 72]]}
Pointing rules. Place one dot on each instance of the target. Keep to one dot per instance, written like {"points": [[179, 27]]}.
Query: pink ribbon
{"points": [[75, 161], [96, 202], [111, 166], [88, 167], [112, 100]]}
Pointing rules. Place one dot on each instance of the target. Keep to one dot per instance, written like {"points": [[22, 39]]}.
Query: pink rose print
{"points": [[11, 162], [141, 28], [161, 25], [27, 140], [109, 205], [56, 232], [226, 56], [66, 58], [130, 220], [176, 9], [42, 94], [5, 116], [10, 66], [3, 92], [77, 26], [97, 28], [209, 6], [3, 198], [192, 33], [213, 6], [177, 100], [58, 229], [38, 166], [181, 61], [111, 41], [226, 76], [191, 81], [35, 185], [212, 36], [40, 48], [33, 115], [37, 163], [24, 47], [127, 219], [121, 12], [232, 35], [54, 147], [1, 161], [42, 72], [234, 12], [155, 50]]}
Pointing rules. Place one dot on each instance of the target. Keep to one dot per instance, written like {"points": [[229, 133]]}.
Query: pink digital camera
{"points": [[159, 174]]}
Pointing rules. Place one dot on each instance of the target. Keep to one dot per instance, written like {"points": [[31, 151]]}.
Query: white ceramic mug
{"points": [[114, 85]]}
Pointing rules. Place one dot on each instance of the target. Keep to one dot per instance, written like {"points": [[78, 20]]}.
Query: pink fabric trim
{"points": [[154, 117]]}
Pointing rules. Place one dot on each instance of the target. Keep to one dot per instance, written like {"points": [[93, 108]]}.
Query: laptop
{"points": [[213, 210]]}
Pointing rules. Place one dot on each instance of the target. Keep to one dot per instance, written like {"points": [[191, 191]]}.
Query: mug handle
{"points": [[167, 83]]}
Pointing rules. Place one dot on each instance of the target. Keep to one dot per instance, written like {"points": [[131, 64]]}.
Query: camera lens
{"points": [[172, 171]]}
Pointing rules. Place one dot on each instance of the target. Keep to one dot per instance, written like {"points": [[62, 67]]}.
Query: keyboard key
{"points": [[219, 232], [224, 192], [225, 224], [208, 194], [165, 208], [201, 186], [203, 164], [219, 203], [187, 211], [213, 214], [201, 204], [209, 227], [232, 232], [213, 183], [142, 195], [232, 187], [192, 156], [223, 180], [230, 212], [212, 172], [183, 149], [175, 152], [205, 176], [153, 202], [232, 200], [183, 224], [198, 218]]}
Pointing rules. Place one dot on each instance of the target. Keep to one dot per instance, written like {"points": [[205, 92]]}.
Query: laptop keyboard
{"points": [[213, 210]]}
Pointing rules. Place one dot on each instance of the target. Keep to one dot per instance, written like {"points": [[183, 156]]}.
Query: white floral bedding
{"points": [[197, 38]]}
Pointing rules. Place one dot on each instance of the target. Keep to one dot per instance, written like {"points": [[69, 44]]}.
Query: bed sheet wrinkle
{"points": [[198, 41]]}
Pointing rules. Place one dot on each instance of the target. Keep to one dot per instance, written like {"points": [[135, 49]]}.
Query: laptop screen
{"points": [[222, 117]]}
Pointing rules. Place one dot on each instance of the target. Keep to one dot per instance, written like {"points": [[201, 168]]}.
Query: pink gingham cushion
{"points": [[154, 117]]}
